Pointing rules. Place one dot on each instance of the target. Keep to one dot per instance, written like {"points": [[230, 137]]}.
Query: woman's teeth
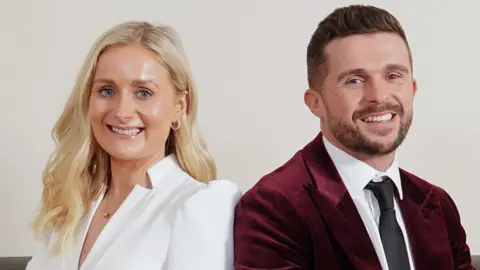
{"points": [[128, 132], [378, 118]]}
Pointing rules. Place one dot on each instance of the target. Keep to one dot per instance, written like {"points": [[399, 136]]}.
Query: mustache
{"points": [[364, 112]]}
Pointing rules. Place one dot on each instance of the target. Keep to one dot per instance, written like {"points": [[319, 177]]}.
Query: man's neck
{"points": [[379, 163]]}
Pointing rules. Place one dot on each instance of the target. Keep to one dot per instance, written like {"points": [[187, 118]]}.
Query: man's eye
{"points": [[393, 76], [354, 81]]}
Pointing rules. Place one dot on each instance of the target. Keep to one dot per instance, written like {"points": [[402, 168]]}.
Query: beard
{"points": [[348, 134]]}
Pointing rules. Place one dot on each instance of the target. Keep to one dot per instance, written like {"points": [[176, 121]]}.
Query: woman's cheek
{"points": [[157, 115]]}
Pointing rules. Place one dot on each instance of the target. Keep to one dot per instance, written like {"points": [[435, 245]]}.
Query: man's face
{"points": [[366, 102]]}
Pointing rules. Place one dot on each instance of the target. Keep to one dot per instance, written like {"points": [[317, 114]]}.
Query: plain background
{"points": [[248, 58]]}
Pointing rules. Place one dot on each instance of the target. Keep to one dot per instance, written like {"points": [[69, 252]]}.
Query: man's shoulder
{"points": [[422, 184], [287, 181]]}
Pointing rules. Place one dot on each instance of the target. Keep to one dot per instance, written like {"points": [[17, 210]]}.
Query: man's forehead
{"points": [[367, 51]]}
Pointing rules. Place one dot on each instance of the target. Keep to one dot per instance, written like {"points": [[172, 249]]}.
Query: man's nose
{"points": [[376, 91]]}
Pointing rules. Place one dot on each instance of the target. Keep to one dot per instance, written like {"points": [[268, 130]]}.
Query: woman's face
{"points": [[133, 103]]}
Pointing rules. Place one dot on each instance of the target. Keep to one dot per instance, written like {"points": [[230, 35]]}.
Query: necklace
{"points": [[107, 214]]}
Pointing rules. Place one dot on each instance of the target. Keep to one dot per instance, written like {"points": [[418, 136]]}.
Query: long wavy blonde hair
{"points": [[78, 169]]}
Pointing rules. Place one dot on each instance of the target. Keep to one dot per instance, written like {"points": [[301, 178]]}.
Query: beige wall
{"points": [[249, 62]]}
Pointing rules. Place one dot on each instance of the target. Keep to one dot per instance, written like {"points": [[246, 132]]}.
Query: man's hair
{"points": [[344, 22]]}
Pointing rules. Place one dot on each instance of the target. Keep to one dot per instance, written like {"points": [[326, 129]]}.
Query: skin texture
{"points": [[131, 89], [367, 75]]}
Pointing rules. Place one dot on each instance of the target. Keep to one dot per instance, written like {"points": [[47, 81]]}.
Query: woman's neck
{"points": [[125, 174]]}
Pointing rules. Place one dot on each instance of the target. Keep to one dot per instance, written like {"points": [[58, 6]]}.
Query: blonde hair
{"points": [[78, 169]]}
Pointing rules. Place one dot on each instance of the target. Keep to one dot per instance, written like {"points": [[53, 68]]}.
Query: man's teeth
{"points": [[379, 118], [129, 132]]}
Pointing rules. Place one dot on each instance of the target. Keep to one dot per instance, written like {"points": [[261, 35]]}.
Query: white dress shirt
{"points": [[178, 224], [356, 175]]}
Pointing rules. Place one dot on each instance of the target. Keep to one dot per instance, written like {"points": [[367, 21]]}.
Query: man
{"points": [[341, 202]]}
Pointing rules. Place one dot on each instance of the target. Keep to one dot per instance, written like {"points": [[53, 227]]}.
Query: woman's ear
{"points": [[182, 104]]}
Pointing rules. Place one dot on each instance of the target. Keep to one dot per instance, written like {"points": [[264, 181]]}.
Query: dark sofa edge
{"points": [[20, 263]]}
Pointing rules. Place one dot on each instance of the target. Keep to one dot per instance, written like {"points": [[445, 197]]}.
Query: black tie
{"points": [[390, 232]]}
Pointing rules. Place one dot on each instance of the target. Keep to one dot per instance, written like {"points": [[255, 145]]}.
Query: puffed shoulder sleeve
{"points": [[202, 236]]}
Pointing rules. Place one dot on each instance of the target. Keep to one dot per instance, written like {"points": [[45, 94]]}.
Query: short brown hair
{"points": [[343, 22]]}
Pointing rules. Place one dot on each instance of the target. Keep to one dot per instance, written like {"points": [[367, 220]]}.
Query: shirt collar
{"points": [[356, 174], [163, 169]]}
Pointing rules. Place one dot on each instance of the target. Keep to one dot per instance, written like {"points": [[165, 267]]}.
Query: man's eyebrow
{"points": [[355, 71], [397, 67]]}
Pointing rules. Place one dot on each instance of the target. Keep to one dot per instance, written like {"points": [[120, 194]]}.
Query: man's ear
{"points": [[414, 86], [314, 101]]}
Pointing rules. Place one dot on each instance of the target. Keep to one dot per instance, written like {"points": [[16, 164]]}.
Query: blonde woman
{"points": [[129, 185]]}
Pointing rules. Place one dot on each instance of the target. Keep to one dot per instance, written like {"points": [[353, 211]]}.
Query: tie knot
{"points": [[383, 191]]}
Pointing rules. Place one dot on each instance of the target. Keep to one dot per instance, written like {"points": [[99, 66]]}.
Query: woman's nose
{"points": [[124, 108]]}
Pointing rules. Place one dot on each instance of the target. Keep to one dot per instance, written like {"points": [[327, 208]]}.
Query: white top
{"points": [[179, 224], [356, 175]]}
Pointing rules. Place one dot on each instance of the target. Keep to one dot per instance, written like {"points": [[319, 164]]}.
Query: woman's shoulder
{"points": [[221, 187], [216, 194], [204, 228]]}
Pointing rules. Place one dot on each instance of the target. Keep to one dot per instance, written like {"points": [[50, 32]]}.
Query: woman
{"points": [[128, 186]]}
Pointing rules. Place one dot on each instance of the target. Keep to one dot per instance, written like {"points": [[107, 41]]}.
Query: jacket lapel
{"points": [[118, 224], [336, 207], [421, 211]]}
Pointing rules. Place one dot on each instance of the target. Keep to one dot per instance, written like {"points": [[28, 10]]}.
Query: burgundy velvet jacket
{"points": [[301, 217]]}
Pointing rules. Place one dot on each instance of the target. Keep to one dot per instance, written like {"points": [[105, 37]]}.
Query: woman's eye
{"points": [[144, 94], [106, 92]]}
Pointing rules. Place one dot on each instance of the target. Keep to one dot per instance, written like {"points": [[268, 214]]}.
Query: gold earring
{"points": [[176, 124]]}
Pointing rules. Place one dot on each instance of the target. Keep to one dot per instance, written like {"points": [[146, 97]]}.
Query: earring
{"points": [[176, 124]]}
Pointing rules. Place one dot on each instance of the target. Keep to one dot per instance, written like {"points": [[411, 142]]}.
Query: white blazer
{"points": [[179, 224]]}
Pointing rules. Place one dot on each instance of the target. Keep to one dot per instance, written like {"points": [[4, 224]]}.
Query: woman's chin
{"points": [[127, 154]]}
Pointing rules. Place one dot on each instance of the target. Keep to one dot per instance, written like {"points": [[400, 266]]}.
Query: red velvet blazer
{"points": [[301, 217]]}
